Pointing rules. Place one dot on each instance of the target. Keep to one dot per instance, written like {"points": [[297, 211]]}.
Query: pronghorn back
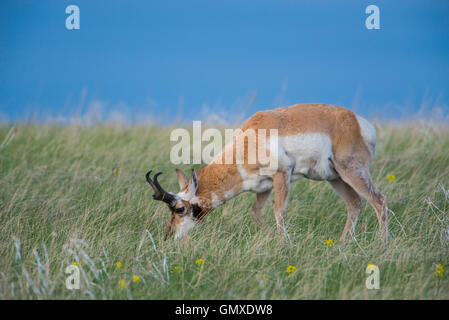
{"points": [[349, 133]]}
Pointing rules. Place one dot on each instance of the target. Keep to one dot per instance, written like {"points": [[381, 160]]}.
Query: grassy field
{"points": [[78, 195]]}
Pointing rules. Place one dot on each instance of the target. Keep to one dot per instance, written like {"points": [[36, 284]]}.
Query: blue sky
{"points": [[190, 59]]}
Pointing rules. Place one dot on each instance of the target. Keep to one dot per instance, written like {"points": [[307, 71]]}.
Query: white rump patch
{"points": [[368, 134]]}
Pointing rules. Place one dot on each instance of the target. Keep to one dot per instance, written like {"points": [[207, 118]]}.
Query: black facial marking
{"points": [[196, 211], [179, 210], [195, 182]]}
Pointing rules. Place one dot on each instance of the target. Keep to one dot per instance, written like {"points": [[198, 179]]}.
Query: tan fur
{"points": [[182, 180], [281, 183], [218, 178], [353, 202], [351, 157], [257, 207]]}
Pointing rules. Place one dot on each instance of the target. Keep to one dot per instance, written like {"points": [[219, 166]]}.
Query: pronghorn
{"points": [[316, 141]]}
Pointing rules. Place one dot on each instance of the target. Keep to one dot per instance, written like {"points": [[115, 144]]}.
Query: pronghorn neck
{"points": [[217, 184]]}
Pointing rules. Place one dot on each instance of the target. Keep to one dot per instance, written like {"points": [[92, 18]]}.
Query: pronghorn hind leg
{"points": [[257, 207], [358, 177], [281, 184], [354, 204]]}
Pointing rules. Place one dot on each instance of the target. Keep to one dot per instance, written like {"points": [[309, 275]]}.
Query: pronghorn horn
{"points": [[159, 192]]}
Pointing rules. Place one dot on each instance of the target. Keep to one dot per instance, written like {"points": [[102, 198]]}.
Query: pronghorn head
{"points": [[184, 206]]}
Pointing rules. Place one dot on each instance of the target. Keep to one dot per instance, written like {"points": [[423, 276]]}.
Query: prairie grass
{"points": [[78, 194]]}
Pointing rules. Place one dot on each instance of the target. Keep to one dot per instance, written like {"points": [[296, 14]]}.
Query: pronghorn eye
{"points": [[179, 210]]}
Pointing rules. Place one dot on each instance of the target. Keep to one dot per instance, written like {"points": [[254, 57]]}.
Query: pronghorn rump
{"points": [[315, 141]]}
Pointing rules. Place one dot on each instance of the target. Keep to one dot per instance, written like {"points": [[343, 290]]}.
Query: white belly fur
{"points": [[309, 155]]}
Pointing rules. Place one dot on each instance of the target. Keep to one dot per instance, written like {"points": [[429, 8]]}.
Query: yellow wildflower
{"points": [[76, 264], [199, 262], [291, 269], [391, 177], [176, 268], [122, 283], [264, 276], [115, 171], [439, 271], [370, 267], [136, 278], [118, 265], [329, 242]]}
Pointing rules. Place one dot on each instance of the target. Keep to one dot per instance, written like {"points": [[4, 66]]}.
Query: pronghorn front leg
{"points": [[281, 184]]}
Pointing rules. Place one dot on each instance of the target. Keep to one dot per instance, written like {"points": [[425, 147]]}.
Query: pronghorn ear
{"points": [[193, 184], [182, 179]]}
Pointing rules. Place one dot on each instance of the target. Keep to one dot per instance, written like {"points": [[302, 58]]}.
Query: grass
{"points": [[77, 194]]}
